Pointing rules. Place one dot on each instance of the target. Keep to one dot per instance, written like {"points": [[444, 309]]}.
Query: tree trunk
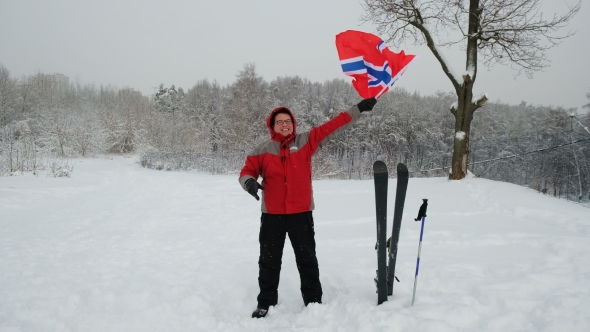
{"points": [[466, 106], [463, 117]]}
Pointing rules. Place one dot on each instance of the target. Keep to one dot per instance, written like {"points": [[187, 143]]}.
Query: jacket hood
{"points": [[274, 135]]}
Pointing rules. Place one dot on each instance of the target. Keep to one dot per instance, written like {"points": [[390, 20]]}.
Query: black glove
{"points": [[252, 187], [367, 104]]}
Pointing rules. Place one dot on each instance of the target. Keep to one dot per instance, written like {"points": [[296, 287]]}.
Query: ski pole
{"points": [[421, 215]]}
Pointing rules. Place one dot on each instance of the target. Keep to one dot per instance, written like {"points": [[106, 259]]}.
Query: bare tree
{"points": [[511, 32]]}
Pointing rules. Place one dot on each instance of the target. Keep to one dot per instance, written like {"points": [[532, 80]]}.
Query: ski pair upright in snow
{"points": [[386, 270]]}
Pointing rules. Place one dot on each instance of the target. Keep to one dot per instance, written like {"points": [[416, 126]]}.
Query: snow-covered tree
{"points": [[28, 98], [8, 96], [490, 31], [169, 100], [57, 131], [204, 104], [248, 106]]}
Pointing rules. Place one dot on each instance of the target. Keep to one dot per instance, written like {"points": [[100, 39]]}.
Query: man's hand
{"points": [[367, 104], [253, 187]]}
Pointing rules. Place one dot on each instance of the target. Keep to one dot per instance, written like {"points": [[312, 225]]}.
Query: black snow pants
{"points": [[273, 231]]}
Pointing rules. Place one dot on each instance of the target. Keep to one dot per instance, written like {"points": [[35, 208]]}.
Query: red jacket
{"points": [[284, 163]]}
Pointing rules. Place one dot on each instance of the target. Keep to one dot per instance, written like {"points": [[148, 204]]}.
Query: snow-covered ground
{"points": [[120, 248]]}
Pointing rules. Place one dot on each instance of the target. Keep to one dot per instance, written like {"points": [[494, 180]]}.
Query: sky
{"points": [[141, 44], [117, 247]]}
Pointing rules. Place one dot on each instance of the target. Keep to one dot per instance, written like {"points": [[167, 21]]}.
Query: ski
{"points": [[400, 198], [381, 177]]}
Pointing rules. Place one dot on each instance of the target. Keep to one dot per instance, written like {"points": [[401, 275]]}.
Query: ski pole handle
{"points": [[422, 211], [421, 214]]}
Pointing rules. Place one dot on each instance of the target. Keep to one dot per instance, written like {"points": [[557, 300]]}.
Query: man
{"points": [[284, 163]]}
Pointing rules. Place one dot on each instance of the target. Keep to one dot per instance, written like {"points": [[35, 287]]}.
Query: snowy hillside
{"points": [[120, 248]]}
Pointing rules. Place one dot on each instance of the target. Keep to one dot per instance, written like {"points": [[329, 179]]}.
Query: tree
{"points": [[170, 101], [7, 96], [57, 134], [491, 31], [204, 105], [248, 106], [28, 98]]}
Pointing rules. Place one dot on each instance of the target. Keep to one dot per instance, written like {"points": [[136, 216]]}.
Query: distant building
{"points": [[51, 81], [129, 92]]}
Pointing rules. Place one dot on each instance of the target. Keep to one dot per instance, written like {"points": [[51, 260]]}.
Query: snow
{"points": [[458, 78], [116, 247], [460, 135], [443, 59], [480, 97], [470, 71]]}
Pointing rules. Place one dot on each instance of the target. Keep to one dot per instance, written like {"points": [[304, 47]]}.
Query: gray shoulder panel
{"points": [[301, 140], [269, 146]]}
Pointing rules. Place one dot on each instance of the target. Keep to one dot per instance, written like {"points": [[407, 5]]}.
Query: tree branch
{"points": [[516, 32]]}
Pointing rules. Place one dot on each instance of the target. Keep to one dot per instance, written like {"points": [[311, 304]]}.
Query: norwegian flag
{"points": [[369, 61]]}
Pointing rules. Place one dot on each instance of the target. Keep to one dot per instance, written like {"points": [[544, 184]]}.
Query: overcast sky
{"points": [[140, 44]]}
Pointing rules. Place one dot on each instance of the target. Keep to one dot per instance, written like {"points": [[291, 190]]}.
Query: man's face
{"points": [[283, 124]]}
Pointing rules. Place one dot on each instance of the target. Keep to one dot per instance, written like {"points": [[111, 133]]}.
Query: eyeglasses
{"points": [[280, 122]]}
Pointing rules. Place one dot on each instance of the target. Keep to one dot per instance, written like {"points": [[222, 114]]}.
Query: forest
{"points": [[211, 128]]}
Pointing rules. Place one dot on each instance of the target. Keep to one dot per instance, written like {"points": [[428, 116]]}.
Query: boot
{"points": [[259, 313]]}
